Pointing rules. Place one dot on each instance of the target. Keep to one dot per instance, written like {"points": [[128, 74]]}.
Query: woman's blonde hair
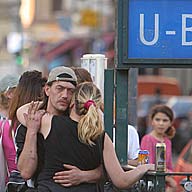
{"points": [[87, 98]]}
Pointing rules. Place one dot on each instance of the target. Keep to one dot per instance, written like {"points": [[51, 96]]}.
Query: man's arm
{"points": [[27, 161], [75, 176]]}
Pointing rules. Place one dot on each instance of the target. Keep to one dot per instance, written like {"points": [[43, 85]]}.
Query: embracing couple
{"points": [[60, 146]]}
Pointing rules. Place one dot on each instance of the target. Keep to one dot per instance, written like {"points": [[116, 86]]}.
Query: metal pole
{"points": [[132, 96]]}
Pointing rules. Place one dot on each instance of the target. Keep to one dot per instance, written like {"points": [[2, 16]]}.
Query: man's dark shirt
{"points": [[20, 140]]}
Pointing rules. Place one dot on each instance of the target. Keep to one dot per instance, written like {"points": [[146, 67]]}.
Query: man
{"points": [[58, 93], [133, 145]]}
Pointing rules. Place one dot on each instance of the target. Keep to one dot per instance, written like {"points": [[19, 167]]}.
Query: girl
{"points": [[161, 119]]}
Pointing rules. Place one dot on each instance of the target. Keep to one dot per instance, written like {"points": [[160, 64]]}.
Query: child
{"points": [[161, 118]]}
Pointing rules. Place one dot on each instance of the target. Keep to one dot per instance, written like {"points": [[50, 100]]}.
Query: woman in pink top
{"points": [[161, 119], [7, 88]]}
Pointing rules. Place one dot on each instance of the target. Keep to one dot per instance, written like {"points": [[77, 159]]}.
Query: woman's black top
{"points": [[62, 146]]}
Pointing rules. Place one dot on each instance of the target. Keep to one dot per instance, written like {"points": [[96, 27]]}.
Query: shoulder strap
{"points": [[13, 137]]}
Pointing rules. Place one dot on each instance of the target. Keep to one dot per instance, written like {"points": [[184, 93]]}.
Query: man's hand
{"points": [[75, 176]]}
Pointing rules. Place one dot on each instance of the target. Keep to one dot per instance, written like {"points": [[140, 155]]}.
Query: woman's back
{"points": [[62, 146]]}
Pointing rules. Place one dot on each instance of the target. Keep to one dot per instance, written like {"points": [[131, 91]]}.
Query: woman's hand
{"points": [[33, 117], [146, 167]]}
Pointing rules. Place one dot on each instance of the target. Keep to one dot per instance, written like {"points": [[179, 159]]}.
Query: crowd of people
{"points": [[54, 129]]}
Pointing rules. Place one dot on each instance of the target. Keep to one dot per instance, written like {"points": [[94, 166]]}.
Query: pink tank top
{"points": [[9, 147]]}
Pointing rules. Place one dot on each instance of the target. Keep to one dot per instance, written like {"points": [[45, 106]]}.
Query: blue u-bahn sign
{"points": [[156, 32]]}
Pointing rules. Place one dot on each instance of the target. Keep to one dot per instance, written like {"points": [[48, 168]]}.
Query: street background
{"points": [[43, 34]]}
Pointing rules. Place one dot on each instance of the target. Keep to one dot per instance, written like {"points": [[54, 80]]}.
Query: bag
{"points": [[16, 183], [109, 187], [3, 165]]}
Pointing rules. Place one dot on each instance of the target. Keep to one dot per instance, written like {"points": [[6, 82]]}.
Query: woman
{"points": [[161, 119], [82, 75], [7, 90], [30, 87], [76, 140]]}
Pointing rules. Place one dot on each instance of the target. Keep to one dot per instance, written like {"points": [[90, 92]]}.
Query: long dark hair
{"points": [[29, 88]]}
